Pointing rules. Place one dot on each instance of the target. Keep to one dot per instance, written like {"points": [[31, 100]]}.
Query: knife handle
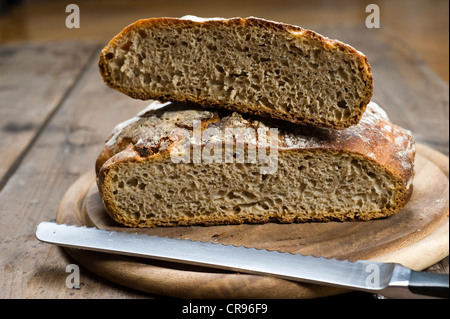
{"points": [[429, 284]]}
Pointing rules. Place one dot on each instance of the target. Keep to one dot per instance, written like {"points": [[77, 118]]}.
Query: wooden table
{"points": [[55, 113]]}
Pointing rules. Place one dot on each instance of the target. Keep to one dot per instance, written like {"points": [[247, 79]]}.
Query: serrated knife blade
{"points": [[387, 279]]}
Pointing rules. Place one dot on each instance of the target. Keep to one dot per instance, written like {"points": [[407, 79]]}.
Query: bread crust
{"points": [[375, 139], [296, 31]]}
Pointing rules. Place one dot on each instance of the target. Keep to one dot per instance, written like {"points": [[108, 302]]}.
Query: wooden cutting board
{"points": [[417, 237]]}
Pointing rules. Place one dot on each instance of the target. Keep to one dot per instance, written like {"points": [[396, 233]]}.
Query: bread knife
{"points": [[387, 279]]}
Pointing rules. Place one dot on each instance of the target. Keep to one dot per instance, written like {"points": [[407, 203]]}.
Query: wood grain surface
{"points": [[413, 230], [26, 105], [70, 118]]}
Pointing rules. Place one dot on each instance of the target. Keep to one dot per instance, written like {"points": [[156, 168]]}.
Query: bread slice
{"points": [[148, 176], [251, 66]]}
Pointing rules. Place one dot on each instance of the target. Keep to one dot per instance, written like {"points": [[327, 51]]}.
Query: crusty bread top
{"points": [[130, 36], [159, 128]]}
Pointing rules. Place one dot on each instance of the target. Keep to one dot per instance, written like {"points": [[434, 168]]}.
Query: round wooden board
{"points": [[416, 237]]}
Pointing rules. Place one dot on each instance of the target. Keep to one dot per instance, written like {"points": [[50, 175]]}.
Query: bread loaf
{"points": [[148, 175], [251, 66]]}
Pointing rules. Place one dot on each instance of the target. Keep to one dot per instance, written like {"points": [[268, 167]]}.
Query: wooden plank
{"points": [[34, 79], [66, 148], [71, 140]]}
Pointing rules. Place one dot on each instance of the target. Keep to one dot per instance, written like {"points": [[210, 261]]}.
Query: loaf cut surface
{"points": [[360, 173], [250, 65]]}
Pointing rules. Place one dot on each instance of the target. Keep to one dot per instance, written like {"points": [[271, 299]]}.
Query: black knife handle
{"points": [[429, 284]]}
